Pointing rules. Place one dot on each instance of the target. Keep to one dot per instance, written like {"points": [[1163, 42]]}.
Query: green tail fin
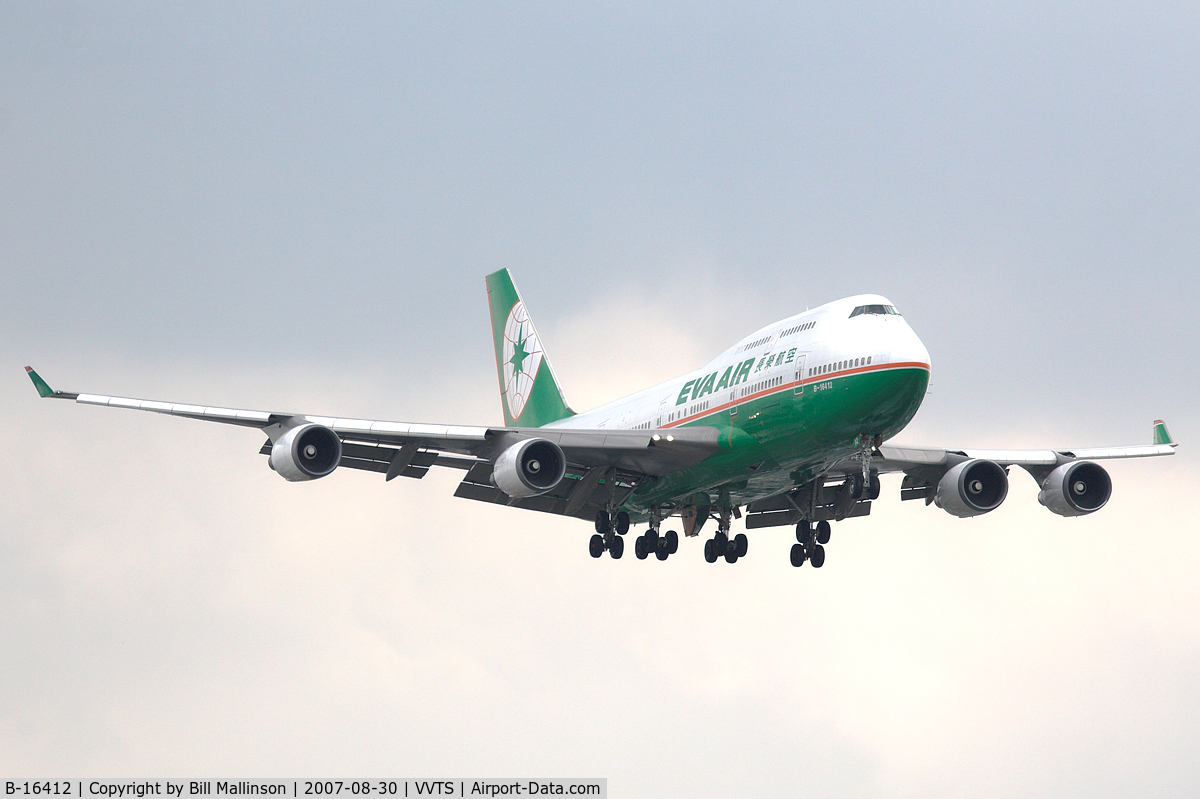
{"points": [[1161, 436], [529, 390]]}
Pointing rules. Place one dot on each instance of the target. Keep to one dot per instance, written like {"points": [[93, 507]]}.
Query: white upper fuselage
{"points": [[819, 341]]}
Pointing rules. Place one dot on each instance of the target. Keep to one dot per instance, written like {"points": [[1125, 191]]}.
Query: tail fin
{"points": [[529, 389]]}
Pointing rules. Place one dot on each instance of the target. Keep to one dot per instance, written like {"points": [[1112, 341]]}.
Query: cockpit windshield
{"points": [[882, 310]]}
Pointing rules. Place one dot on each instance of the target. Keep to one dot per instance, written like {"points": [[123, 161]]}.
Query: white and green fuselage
{"points": [[789, 423], [788, 400]]}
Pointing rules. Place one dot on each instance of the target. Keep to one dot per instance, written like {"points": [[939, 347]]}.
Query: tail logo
{"points": [[522, 357]]}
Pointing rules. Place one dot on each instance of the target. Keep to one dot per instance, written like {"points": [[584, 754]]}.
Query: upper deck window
{"points": [[882, 310]]}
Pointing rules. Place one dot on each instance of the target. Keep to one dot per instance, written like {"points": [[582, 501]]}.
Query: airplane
{"points": [[789, 423]]}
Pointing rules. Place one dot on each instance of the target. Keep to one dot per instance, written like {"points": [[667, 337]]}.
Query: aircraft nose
{"points": [[907, 348]]}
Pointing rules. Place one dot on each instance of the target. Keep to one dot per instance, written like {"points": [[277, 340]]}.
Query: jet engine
{"points": [[306, 452], [971, 488], [1074, 489], [530, 467]]}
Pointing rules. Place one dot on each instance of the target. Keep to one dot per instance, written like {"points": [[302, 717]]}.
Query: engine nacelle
{"points": [[971, 488], [306, 452], [1075, 489], [530, 467]]}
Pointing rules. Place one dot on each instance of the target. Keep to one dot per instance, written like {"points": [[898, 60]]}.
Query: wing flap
{"points": [[647, 452]]}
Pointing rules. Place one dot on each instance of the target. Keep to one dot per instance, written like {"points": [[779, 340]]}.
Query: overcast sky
{"points": [[293, 207]]}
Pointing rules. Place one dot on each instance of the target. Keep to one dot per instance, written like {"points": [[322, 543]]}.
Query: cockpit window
{"points": [[882, 310]]}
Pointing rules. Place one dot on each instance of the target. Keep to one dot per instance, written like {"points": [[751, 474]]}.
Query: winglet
{"points": [[38, 383], [43, 389], [1161, 436]]}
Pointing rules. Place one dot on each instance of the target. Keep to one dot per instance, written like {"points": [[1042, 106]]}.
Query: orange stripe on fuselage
{"points": [[766, 392]]}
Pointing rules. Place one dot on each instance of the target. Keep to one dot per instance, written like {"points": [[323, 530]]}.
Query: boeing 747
{"points": [[789, 426]]}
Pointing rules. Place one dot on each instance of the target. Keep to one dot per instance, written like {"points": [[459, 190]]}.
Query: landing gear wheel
{"points": [[661, 551], [823, 532], [640, 550], [803, 531], [602, 522], [797, 554], [651, 540], [873, 489], [616, 547], [740, 543], [710, 550], [856, 485], [622, 523], [672, 542], [722, 543], [731, 555], [596, 546], [818, 556]]}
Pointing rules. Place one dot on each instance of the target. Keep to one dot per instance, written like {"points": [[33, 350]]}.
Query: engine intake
{"points": [[1076, 489], [306, 452], [530, 467], [971, 488]]}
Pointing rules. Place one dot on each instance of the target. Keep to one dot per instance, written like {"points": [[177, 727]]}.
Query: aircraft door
{"points": [[799, 389]]}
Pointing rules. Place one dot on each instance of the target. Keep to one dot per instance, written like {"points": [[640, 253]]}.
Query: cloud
{"points": [[172, 603], [295, 211]]}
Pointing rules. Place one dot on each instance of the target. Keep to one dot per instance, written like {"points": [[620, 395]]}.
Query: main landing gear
{"points": [[652, 542], [611, 526], [722, 546], [609, 529], [810, 543], [662, 545]]}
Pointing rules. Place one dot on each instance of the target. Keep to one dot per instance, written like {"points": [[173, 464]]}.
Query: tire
{"points": [[740, 543], [622, 523], [710, 550], [797, 555], [731, 554], [602, 525], [596, 546], [722, 543], [803, 530], [662, 553], [873, 491], [640, 549], [672, 542], [818, 556], [823, 533], [651, 539], [856, 486], [617, 547]]}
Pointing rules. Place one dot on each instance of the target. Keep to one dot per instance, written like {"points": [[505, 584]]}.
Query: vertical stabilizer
{"points": [[529, 390]]}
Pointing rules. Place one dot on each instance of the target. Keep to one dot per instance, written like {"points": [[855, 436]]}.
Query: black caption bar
{"points": [[139, 789]]}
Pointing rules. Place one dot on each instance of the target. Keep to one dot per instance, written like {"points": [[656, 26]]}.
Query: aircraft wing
{"points": [[923, 467], [601, 464], [904, 458]]}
